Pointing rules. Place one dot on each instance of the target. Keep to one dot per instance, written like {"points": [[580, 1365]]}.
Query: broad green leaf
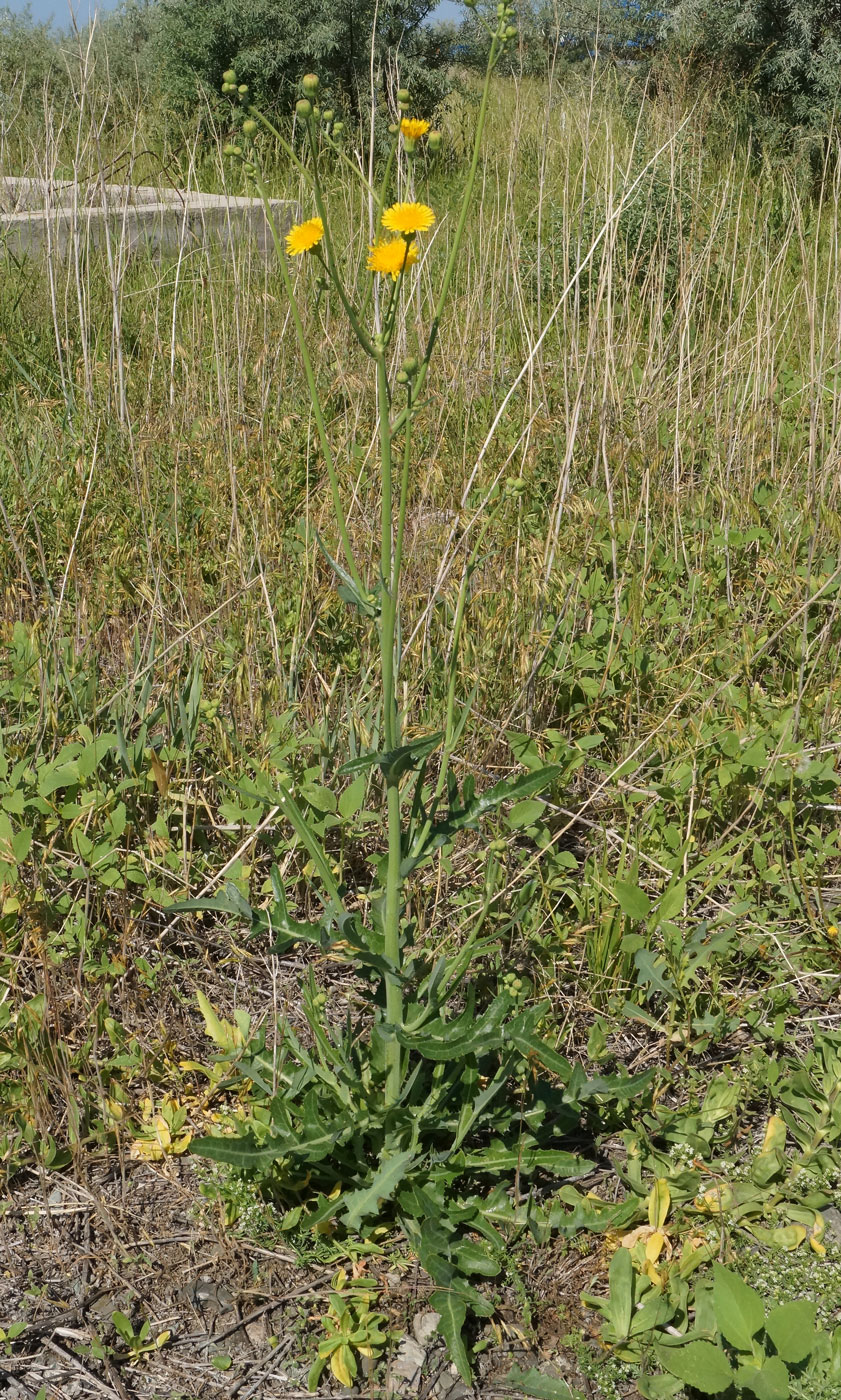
{"points": [[534, 1384], [659, 1204], [525, 812], [352, 798], [240, 1152], [226, 1036], [767, 1382], [396, 762], [792, 1330], [699, 1364], [631, 899], [359, 1205], [739, 1312], [475, 1258], [452, 1308], [349, 593], [621, 1278], [499, 1158], [671, 901]]}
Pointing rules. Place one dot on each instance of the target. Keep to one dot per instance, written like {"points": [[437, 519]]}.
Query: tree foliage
{"points": [[790, 50], [270, 43]]}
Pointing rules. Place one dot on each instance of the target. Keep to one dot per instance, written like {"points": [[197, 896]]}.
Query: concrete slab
{"points": [[37, 216]]}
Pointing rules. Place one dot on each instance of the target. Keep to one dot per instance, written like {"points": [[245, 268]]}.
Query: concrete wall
{"points": [[38, 216]]}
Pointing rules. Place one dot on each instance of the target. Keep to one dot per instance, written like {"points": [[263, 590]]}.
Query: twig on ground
{"points": [[267, 1307]]}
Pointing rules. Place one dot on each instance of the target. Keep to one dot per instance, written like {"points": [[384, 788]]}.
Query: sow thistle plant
{"points": [[423, 1114]]}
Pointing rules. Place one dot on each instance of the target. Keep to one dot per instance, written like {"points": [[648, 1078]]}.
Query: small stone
{"points": [[832, 1219], [408, 1363], [424, 1326], [450, 1386], [392, 1281]]}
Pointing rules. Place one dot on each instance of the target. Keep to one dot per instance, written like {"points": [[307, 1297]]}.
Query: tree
{"points": [[271, 43], [790, 50]]}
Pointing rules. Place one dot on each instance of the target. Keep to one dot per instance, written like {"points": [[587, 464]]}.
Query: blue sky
{"points": [[59, 10]]}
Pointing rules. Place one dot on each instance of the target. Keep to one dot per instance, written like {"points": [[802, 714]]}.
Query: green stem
{"points": [[496, 49], [388, 618], [309, 374], [332, 265]]}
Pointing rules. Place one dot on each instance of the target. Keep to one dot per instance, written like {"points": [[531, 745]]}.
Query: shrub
{"points": [[789, 50]]}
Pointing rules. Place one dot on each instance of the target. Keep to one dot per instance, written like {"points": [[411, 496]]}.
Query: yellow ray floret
{"points": [[408, 219], [413, 128], [302, 237], [390, 259]]}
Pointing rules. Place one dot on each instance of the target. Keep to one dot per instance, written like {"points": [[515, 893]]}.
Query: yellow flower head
{"points": [[408, 219], [413, 128], [302, 237], [390, 259]]}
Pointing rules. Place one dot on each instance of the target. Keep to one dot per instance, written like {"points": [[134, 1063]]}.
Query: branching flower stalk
{"points": [[392, 254]]}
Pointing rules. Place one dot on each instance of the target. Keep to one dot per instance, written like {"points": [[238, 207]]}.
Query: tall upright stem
{"points": [[388, 619]]}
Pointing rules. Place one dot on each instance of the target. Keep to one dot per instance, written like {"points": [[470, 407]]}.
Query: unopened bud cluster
{"points": [[505, 13]]}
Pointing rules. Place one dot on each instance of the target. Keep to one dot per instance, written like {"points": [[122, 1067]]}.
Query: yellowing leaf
{"points": [[775, 1135], [654, 1247], [659, 1202], [339, 1367], [222, 1033]]}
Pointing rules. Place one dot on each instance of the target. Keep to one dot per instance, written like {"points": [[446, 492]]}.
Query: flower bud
{"points": [[402, 377], [338, 128], [403, 97], [304, 109], [249, 128], [229, 76], [243, 89], [327, 116], [511, 32], [232, 151], [393, 128], [228, 87], [310, 84], [433, 141], [410, 367]]}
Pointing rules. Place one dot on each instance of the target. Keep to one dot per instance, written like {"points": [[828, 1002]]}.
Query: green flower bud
{"points": [[310, 84], [338, 128], [410, 367], [232, 151], [229, 76], [228, 87], [327, 116], [304, 109], [393, 128], [403, 97], [249, 128], [243, 89], [511, 32], [433, 141], [316, 111], [402, 377]]}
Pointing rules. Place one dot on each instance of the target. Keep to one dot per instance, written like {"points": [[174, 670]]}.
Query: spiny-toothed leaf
{"points": [[359, 1205]]}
